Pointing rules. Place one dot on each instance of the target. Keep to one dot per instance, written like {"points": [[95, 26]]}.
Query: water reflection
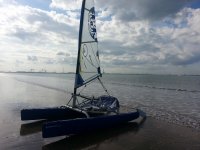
{"points": [[31, 128], [93, 140]]}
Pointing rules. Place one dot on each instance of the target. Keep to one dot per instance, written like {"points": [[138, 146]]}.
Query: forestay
{"points": [[88, 65]]}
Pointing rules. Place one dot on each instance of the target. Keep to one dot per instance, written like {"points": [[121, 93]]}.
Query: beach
{"points": [[150, 133]]}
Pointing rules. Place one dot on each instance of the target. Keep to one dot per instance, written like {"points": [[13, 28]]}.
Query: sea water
{"points": [[171, 98]]}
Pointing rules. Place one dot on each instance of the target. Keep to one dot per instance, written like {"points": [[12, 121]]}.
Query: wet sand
{"points": [[16, 134]]}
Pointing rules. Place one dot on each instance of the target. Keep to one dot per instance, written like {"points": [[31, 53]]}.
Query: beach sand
{"points": [[144, 134]]}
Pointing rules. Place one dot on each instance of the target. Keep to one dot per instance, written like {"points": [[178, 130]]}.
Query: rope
{"points": [[103, 86], [82, 89]]}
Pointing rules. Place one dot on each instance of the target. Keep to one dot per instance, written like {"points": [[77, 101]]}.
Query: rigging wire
{"points": [[82, 89], [103, 86], [105, 89]]}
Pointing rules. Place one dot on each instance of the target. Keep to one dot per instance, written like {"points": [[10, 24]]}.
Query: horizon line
{"points": [[53, 72]]}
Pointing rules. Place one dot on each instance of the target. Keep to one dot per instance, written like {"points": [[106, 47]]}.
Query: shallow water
{"points": [[171, 98], [18, 91]]}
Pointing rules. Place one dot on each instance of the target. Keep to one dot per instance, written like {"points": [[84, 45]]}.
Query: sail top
{"points": [[88, 64]]}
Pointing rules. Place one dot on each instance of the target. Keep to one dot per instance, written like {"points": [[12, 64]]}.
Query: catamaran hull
{"points": [[81, 125], [56, 113]]}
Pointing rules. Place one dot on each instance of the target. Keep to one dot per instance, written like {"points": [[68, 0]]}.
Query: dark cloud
{"points": [[111, 48], [121, 62], [49, 61], [131, 61], [60, 53], [175, 60], [131, 10], [49, 23], [45, 26], [25, 35], [32, 58], [19, 62], [116, 49], [63, 54], [147, 47]]}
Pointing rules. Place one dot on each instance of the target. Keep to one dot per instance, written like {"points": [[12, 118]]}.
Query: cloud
{"points": [[66, 5], [145, 9], [62, 54], [128, 10], [67, 60], [19, 62], [32, 58], [34, 32], [139, 43], [49, 61]]}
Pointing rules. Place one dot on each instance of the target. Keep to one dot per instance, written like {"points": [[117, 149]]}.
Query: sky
{"points": [[135, 36]]}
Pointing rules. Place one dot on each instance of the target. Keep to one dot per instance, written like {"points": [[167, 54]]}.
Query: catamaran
{"points": [[91, 113]]}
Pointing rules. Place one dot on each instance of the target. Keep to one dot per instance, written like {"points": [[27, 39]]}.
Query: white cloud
{"points": [[31, 33], [145, 43], [66, 5]]}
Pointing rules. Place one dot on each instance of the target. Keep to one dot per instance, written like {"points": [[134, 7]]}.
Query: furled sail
{"points": [[88, 64]]}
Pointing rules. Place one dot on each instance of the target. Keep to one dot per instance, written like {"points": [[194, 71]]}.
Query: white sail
{"points": [[88, 65]]}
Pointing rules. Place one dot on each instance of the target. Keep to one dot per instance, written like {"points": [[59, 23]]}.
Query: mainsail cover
{"points": [[88, 65]]}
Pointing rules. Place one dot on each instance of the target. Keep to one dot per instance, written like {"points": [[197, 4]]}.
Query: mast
{"points": [[79, 49]]}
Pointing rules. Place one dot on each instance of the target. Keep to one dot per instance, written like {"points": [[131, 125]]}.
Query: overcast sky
{"points": [[135, 36]]}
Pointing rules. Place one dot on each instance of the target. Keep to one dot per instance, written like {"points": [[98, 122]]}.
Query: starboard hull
{"points": [[81, 125], [55, 113]]}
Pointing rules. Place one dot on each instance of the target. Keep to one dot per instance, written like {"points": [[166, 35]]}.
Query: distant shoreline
{"points": [[40, 72], [103, 73]]}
